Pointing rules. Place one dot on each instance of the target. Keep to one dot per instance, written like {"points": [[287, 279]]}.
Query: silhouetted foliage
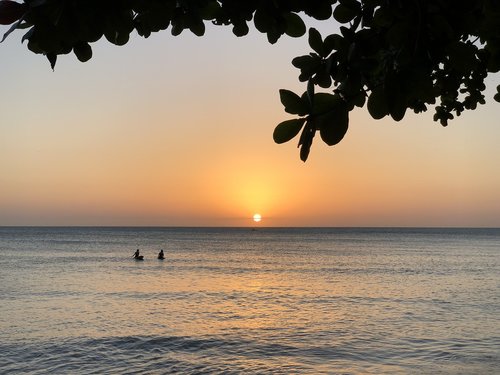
{"points": [[390, 55]]}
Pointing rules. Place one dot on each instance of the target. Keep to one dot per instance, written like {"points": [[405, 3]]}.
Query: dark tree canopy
{"points": [[390, 55]]}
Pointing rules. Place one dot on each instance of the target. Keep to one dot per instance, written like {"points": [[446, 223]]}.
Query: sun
{"points": [[257, 218]]}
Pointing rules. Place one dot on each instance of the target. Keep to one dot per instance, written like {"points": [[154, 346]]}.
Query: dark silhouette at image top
{"points": [[388, 56]]}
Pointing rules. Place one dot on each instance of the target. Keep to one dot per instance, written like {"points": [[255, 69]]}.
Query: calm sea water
{"points": [[271, 301]]}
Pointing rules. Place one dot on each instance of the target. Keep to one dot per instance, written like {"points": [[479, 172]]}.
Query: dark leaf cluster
{"points": [[390, 55], [57, 27], [396, 56]]}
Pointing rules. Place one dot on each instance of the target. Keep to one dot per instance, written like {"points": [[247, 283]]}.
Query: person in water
{"points": [[136, 254], [161, 255]]}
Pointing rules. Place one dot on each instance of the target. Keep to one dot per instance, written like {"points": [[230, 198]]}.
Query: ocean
{"points": [[249, 301]]}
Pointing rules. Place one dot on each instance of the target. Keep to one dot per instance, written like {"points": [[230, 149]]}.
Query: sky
{"points": [[177, 131]]}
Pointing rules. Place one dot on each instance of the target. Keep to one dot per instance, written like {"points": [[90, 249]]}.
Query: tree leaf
{"points": [[377, 103], [240, 29], [196, 25], [325, 102], [395, 95], [310, 93], [263, 21], [358, 100], [333, 42], [117, 38], [315, 41], [305, 149], [293, 103], [323, 79], [11, 29], [462, 56], [333, 126], [287, 130], [11, 11], [306, 140], [273, 35], [28, 34], [295, 26], [52, 57], [398, 112], [83, 51], [344, 14], [321, 10]]}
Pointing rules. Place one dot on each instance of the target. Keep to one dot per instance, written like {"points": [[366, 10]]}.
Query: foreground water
{"points": [[283, 301]]}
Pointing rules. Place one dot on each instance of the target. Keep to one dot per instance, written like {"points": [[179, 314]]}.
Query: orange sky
{"points": [[178, 131]]}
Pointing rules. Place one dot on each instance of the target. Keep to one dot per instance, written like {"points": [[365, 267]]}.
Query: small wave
{"points": [[138, 355], [228, 354]]}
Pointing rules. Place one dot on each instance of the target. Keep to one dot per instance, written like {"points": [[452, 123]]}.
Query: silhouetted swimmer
{"points": [[137, 256], [161, 255]]}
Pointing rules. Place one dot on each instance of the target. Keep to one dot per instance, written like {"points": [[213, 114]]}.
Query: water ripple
{"points": [[211, 355]]}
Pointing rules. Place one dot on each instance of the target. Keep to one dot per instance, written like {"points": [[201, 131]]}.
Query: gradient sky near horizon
{"points": [[177, 131]]}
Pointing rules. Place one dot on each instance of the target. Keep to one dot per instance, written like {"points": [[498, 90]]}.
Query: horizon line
{"points": [[256, 226]]}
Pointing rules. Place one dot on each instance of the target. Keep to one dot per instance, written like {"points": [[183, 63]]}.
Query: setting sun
{"points": [[257, 218]]}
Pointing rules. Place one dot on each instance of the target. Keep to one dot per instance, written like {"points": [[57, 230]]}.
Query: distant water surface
{"points": [[236, 300]]}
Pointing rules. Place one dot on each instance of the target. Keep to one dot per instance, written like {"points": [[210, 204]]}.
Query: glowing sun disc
{"points": [[257, 218]]}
